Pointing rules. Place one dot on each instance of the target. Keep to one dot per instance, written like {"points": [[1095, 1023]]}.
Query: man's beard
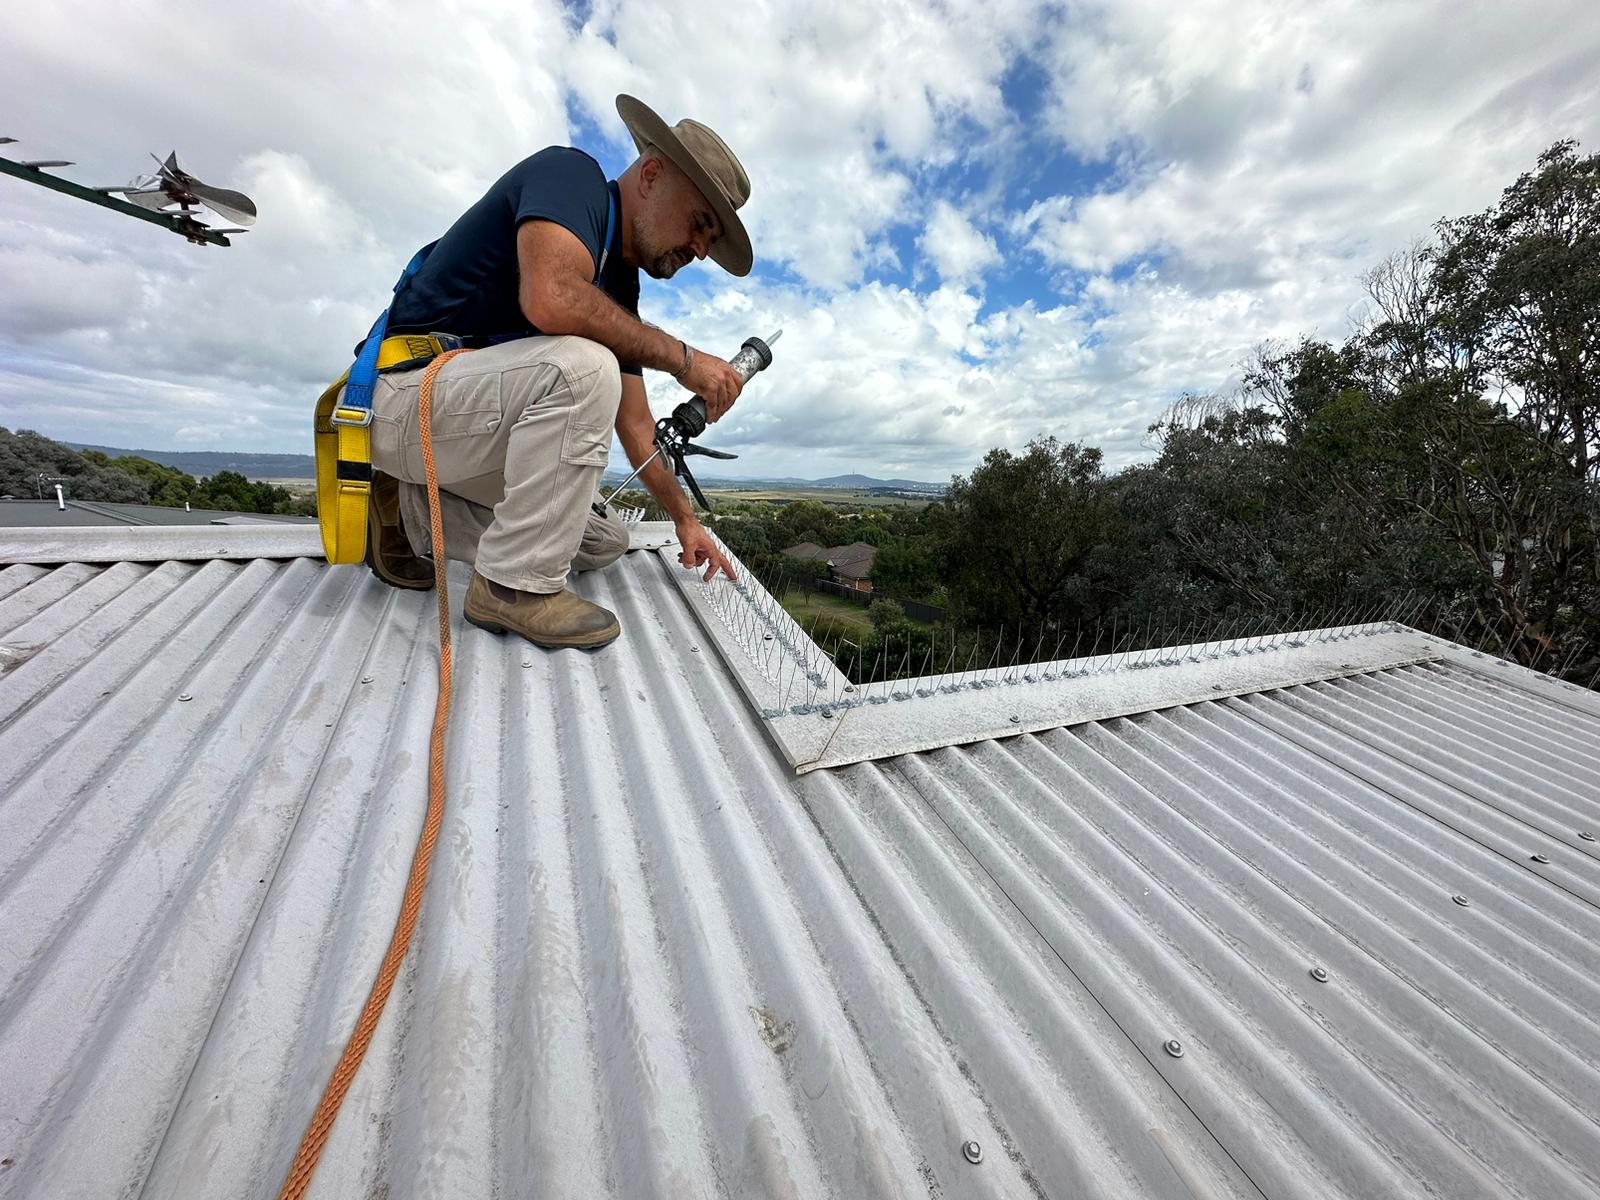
{"points": [[659, 263], [665, 265]]}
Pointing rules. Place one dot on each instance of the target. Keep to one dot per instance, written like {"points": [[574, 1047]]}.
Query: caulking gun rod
{"points": [[637, 471]]}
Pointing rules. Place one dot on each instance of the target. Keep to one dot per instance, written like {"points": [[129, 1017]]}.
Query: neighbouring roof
{"points": [[855, 552], [856, 569], [1312, 915], [853, 561], [16, 514]]}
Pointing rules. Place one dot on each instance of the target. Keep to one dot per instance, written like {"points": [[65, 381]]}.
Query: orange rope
{"points": [[316, 1135]]}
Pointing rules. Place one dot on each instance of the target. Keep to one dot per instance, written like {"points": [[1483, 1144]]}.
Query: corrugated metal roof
{"points": [[652, 961]]}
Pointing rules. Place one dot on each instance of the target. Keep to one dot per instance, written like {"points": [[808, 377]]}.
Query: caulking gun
{"points": [[688, 420]]}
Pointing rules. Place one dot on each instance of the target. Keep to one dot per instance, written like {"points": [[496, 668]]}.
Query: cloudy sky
{"points": [[976, 223]]}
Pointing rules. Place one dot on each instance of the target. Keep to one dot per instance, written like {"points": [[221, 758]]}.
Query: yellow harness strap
{"points": [[343, 439]]}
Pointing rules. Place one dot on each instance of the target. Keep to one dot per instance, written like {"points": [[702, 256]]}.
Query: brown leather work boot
{"points": [[552, 621], [388, 551]]}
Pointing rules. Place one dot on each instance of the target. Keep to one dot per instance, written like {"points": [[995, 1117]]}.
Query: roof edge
{"points": [[157, 543]]}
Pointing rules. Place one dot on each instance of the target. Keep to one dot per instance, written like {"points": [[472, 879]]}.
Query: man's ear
{"points": [[650, 173]]}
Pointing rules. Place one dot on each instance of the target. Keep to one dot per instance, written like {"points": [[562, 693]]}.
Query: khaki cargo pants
{"points": [[521, 434]]}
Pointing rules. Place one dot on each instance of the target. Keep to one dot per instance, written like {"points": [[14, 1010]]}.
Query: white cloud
{"points": [[958, 250], [1259, 158]]}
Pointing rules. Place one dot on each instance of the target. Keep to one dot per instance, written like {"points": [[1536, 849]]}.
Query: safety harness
{"points": [[343, 425]]}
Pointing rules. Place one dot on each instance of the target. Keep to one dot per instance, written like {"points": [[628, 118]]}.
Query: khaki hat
{"points": [[705, 159]]}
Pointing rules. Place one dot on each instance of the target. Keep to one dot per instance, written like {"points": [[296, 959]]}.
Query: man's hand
{"points": [[712, 379], [699, 549]]}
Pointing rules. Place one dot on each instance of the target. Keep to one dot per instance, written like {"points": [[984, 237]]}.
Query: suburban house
{"points": [[848, 565]]}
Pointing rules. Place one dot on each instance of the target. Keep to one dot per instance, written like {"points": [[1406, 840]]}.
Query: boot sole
{"points": [[589, 643]]}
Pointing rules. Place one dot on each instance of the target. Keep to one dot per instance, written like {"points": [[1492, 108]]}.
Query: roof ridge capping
{"points": [[157, 543], [819, 718]]}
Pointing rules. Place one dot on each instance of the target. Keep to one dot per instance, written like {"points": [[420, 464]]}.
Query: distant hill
{"points": [[302, 466], [208, 462], [854, 483], [867, 481]]}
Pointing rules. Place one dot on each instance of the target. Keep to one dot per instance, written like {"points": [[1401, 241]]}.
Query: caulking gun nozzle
{"points": [[774, 337]]}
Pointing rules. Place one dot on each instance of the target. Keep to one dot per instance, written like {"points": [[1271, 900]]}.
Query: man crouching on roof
{"points": [[522, 426]]}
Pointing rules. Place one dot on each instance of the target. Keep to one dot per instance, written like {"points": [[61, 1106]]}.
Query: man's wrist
{"points": [[688, 361]]}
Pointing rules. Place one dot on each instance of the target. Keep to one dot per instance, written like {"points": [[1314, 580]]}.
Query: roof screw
{"points": [[972, 1152], [694, 649], [1319, 975], [849, 687], [766, 637], [526, 665], [1539, 858], [1016, 720], [185, 698], [366, 679], [826, 712], [1461, 900], [1173, 1047], [1586, 836]]}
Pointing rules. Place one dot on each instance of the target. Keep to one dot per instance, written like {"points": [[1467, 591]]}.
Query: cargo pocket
{"points": [[466, 404], [586, 444]]}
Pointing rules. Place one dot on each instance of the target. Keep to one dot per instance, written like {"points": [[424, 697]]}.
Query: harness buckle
{"points": [[362, 418]]}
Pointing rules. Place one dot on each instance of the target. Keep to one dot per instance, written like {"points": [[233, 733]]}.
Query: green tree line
{"points": [[128, 479], [1445, 456]]}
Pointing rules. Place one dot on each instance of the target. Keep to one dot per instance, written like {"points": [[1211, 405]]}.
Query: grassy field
{"points": [[849, 619], [846, 616]]}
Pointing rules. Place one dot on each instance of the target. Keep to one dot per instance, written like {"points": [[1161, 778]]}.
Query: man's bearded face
{"points": [[674, 226]]}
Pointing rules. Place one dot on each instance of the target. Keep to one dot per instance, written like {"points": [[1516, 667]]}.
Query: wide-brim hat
{"points": [[706, 160]]}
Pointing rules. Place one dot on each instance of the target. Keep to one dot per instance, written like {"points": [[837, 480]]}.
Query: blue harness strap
{"points": [[364, 374]]}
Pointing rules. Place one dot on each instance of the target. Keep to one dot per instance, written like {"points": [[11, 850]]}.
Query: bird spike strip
{"points": [[804, 678]]}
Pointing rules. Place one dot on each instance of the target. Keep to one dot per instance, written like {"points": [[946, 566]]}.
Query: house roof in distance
{"points": [[1304, 915], [855, 552]]}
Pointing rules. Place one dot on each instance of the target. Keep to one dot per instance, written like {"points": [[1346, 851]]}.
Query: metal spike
{"points": [[1094, 650], [1055, 655], [994, 656], [1561, 672]]}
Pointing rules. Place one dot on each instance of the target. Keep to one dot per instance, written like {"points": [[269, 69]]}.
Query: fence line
{"points": [[915, 609]]}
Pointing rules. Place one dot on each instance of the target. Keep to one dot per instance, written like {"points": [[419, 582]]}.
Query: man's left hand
{"points": [[699, 549]]}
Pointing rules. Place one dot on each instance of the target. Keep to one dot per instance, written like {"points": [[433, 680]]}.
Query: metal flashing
{"points": [[818, 718], [158, 543]]}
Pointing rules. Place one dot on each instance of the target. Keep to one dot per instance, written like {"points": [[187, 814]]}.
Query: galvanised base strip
{"points": [[818, 718]]}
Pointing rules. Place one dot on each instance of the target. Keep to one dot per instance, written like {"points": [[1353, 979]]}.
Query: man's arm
{"points": [[556, 292], [636, 429]]}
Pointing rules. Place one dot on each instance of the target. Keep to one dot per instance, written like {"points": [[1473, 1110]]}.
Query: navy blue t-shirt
{"points": [[468, 285]]}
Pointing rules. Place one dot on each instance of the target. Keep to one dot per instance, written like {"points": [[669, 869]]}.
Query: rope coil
{"points": [[306, 1157]]}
